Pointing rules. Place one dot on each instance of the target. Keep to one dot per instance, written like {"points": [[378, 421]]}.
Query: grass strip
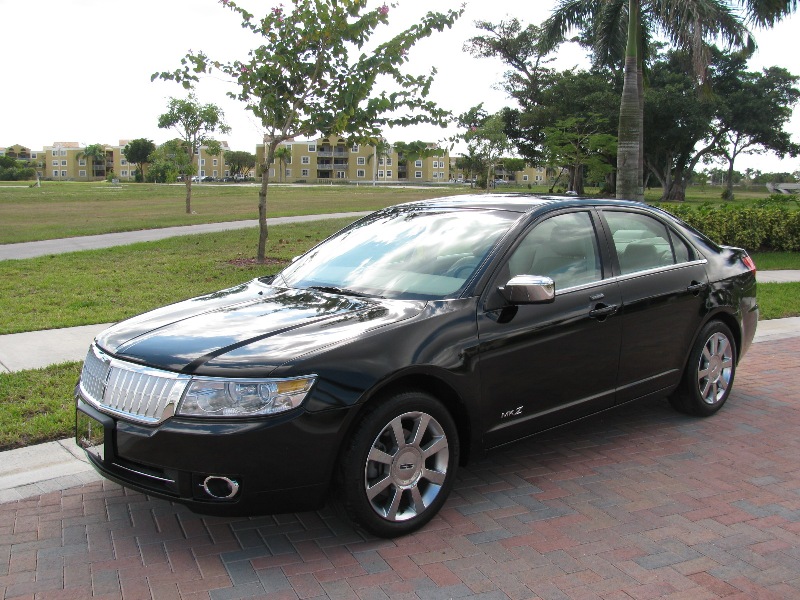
{"points": [[37, 405], [108, 285]]}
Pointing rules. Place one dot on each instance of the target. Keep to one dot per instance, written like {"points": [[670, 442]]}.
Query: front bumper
{"points": [[280, 464]]}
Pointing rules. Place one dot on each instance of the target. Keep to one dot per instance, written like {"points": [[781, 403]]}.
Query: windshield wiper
{"points": [[332, 289]]}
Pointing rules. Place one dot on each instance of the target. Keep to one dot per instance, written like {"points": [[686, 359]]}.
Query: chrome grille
{"points": [[130, 391]]}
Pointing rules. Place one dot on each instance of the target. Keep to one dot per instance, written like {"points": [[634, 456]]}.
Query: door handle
{"points": [[695, 287], [602, 311]]}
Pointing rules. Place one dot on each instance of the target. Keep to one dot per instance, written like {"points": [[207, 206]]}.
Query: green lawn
{"points": [[69, 209]]}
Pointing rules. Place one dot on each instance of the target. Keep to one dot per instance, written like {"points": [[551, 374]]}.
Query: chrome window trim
{"points": [[627, 276]]}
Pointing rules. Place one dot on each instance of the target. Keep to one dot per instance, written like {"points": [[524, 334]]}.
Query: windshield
{"points": [[410, 253]]}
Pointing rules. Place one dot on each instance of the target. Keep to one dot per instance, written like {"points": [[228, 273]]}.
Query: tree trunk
{"points": [[188, 194], [263, 233], [729, 185], [629, 163], [675, 190]]}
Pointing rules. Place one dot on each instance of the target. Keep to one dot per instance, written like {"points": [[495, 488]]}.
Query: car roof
{"points": [[518, 203]]}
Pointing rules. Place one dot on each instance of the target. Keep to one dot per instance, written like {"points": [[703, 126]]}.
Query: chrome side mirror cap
{"points": [[529, 289]]}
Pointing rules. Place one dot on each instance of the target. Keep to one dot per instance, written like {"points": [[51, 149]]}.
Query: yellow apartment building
{"points": [[335, 159]]}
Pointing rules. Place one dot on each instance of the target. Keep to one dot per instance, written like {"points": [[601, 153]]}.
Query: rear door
{"points": [[663, 286]]}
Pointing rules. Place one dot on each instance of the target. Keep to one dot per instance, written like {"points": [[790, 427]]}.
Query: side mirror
{"points": [[529, 289]]}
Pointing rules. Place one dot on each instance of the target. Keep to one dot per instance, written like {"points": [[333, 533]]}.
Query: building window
{"points": [[55, 163], [215, 174], [63, 173], [288, 172], [380, 161], [388, 173], [312, 147], [33, 154], [123, 162], [55, 152], [63, 163], [121, 173], [63, 153], [524, 178], [361, 160], [82, 162], [55, 173], [304, 172], [380, 173], [361, 173], [355, 148], [202, 173], [288, 160], [418, 174], [202, 162], [272, 172], [417, 163], [388, 162], [441, 174], [214, 163], [305, 160]]}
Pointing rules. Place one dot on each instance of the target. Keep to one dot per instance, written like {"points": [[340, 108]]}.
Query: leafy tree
{"points": [[486, 137], [677, 120], [544, 95], [93, 153], [12, 169], [313, 74], [138, 152], [168, 161], [283, 155], [470, 163], [580, 142], [240, 162], [195, 123], [754, 108]]}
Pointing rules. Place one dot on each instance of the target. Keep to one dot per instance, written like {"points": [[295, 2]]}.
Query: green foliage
{"points": [[240, 162], [773, 227], [138, 152], [37, 405], [12, 169], [311, 73]]}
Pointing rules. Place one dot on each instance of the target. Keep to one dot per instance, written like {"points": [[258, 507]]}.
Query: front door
{"points": [[544, 364]]}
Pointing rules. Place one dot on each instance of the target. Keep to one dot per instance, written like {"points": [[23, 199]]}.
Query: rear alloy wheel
{"points": [[709, 374], [401, 464]]}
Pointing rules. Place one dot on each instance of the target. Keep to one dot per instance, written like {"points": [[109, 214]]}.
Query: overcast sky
{"points": [[79, 70]]}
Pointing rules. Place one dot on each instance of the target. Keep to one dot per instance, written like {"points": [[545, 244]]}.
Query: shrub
{"points": [[768, 226]]}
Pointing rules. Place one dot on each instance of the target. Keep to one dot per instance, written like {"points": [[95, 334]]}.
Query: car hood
{"points": [[248, 330]]}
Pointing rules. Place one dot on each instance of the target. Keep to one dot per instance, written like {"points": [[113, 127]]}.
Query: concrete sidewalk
{"points": [[107, 240]]}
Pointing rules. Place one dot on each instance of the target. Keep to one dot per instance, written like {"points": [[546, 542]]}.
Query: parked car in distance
{"points": [[420, 336]]}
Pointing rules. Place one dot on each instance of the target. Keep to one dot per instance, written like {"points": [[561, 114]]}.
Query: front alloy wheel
{"points": [[400, 466]]}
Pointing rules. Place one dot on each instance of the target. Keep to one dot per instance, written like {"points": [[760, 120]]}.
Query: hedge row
{"points": [[773, 225]]}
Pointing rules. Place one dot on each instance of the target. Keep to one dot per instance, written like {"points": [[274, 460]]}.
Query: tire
{"points": [[708, 378], [400, 465]]}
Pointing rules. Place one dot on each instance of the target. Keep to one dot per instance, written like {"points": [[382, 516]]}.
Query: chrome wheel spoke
{"points": [[434, 476], [377, 488], [417, 502], [420, 427], [397, 430], [439, 445], [391, 511], [380, 456]]}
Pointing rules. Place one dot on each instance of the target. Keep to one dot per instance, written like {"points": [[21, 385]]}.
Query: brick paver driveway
{"points": [[639, 503]]}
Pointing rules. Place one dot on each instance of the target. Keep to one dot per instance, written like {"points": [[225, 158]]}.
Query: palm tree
{"points": [[95, 153], [283, 155], [688, 24]]}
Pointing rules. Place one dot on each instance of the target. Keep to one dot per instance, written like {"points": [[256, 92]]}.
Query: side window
{"points": [[683, 252], [641, 242], [563, 248]]}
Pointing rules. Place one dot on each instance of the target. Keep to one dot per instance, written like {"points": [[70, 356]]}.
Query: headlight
{"points": [[243, 397]]}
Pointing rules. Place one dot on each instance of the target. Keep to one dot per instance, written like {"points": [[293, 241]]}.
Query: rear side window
{"points": [[644, 243]]}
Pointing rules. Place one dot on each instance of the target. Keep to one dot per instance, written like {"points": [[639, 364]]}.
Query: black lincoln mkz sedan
{"points": [[385, 356]]}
